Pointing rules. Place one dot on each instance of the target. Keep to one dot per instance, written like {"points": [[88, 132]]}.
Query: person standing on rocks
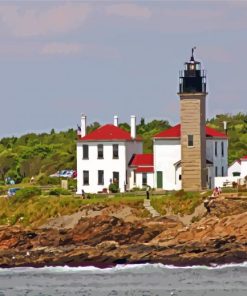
{"points": [[147, 191]]}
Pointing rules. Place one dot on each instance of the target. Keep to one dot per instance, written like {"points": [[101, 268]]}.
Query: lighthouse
{"points": [[192, 93]]}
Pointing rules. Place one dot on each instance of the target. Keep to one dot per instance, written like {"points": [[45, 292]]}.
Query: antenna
{"points": [[192, 53]]}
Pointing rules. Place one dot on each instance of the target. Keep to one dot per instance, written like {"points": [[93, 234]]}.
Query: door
{"points": [[116, 177], [159, 179]]}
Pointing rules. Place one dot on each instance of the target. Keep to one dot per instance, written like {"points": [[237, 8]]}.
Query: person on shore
{"points": [[147, 191], [83, 194], [215, 192], [206, 204]]}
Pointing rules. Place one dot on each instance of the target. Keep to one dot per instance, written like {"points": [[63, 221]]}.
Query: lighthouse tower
{"points": [[192, 92]]}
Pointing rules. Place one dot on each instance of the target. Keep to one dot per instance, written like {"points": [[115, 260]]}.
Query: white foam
{"points": [[120, 267]]}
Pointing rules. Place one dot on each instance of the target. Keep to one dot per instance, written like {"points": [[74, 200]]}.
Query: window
{"points": [[85, 177], [144, 178], [222, 149], [85, 151], [134, 177], [236, 174], [100, 177], [216, 171], [222, 171], [180, 177], [216, 148], [115, 150], [190, 140], [100, 151]]}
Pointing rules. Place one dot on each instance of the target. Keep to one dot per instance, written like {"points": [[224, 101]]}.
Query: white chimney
{"points": [[83, 125], [225, 126], [115, 120], [133, 126]]}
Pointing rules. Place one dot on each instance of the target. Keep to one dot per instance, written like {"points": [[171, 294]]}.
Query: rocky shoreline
{"points": [[105, 240]]}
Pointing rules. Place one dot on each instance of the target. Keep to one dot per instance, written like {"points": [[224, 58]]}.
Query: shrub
{"points": [[180, 193], [47, 180], [72, 184], [26, 180], [2, 191], [134, 189], [25, 193], [59, 191], [113, 187]]}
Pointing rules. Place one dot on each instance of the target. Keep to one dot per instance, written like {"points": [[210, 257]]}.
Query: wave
{"points": [[121, 267]]}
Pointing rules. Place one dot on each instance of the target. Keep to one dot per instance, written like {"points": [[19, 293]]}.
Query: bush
{"points": [[134, 189], [26, 180], [47, 180], [25, 193], [72, 184], [2, 191], [180, 193], [113, 187], [59, 191]]}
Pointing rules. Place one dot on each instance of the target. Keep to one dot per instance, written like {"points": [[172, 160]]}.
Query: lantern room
{"points": [[192, 79]]}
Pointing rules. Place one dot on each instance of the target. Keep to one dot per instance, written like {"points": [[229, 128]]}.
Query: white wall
{"points": [[166, 153], [243, 168], [218, 160], [132, 147], [93, 164], [150, 180], [178, 172], [233, 168], [210, 181], [79, 166], [220, 180]]}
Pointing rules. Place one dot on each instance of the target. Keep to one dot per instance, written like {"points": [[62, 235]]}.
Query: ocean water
{"points": [[128, 280]]}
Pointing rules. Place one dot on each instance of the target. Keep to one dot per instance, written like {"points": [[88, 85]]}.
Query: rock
{"points": [[220, 237]]}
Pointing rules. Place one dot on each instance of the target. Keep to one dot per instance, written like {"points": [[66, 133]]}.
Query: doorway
{"points": [[159, 179]]}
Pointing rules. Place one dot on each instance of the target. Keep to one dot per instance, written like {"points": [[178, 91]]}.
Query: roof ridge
{"points": [[175, 132], [109, 132]]}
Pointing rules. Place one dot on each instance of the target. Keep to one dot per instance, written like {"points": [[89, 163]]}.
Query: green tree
{"points": [[7, 161]]}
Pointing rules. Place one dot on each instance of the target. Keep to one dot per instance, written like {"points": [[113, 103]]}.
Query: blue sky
{"points": [[59, 59]]}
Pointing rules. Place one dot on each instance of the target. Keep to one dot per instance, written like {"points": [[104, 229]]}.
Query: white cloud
{"points": [[129, 10], [37, 22]]}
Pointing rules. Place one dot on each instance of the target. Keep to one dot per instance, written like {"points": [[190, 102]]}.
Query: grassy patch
{"points": [[36, 210], [183, 203]]}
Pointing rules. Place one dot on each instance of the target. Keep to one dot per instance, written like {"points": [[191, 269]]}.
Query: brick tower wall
{"points": [[193, 159]]}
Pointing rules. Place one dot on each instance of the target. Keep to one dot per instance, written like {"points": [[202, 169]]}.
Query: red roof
{"points": [[175, 132], [244, 157], [144, 170], [109, 132], [142, 160], [143, 163]]}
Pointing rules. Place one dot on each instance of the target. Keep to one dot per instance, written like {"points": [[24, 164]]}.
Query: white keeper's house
{"points": [[187, 156], [238, 168]]}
